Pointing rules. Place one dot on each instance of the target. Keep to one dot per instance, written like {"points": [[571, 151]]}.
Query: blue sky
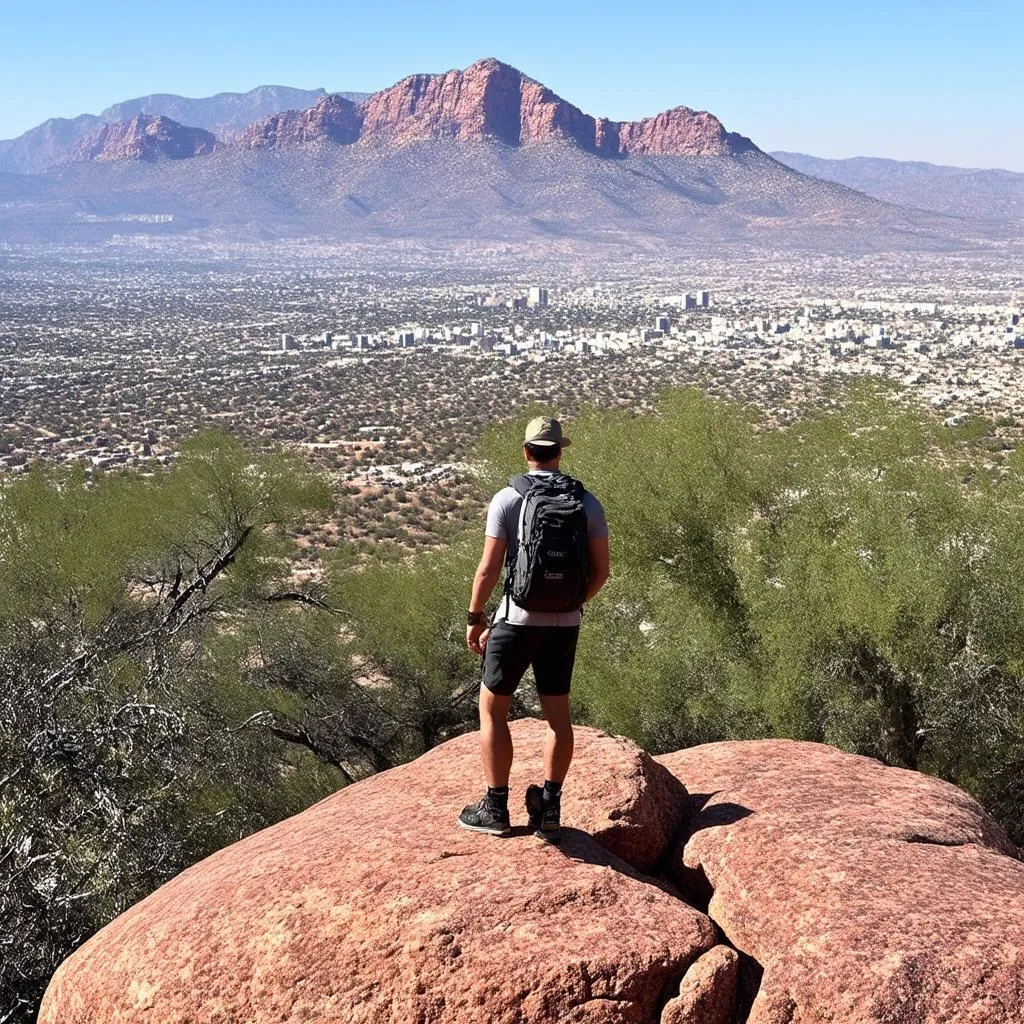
{"points": [[928, 81]]}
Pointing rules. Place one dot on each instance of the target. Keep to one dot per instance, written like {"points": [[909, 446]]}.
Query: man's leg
{"points": [[558, 744], [552, 668], [506, 658], [495, 738]]}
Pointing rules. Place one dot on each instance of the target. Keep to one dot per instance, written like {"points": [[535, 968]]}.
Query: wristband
{"points": [[475, 618]]}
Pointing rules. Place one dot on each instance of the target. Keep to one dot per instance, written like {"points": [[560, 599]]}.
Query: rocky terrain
{"points": [[958, 191], [491, 100], [771, 882], [855, 892]]}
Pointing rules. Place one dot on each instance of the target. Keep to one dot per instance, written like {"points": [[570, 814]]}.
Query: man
{"points": [[518, 638]]}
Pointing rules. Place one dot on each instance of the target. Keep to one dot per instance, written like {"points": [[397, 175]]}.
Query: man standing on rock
{"points": [[551, 535]]}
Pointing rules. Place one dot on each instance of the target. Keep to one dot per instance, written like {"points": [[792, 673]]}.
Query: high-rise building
{"points": [[704, 299], [538, 297], [663, 324], [288, 342]]}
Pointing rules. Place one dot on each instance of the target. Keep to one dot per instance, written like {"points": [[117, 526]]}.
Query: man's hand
{"points": [[476, 637]]}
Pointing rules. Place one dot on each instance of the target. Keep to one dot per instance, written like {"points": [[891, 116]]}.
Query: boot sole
{"points": [[487, 831]]}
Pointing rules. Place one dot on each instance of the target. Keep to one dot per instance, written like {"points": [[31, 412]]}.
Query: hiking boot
{"points": [[482, 817], [544, 819], [534, 805]]}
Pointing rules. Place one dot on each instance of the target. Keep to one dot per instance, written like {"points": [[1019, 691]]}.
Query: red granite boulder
{"points": [[863, 893], [373, 906]]}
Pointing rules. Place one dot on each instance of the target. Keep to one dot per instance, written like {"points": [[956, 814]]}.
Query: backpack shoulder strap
{"points": [[576, 486], [521, 484]]}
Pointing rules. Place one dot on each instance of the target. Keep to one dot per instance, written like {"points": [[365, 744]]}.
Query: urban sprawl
{"points": [[110, 363]]}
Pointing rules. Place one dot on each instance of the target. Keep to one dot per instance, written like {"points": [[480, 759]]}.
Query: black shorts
{"points": [[551, 650]]}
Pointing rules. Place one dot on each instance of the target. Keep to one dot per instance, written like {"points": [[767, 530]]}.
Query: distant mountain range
{"points": [[224, 115], [227, 113], [960, 191], [485, 152]]}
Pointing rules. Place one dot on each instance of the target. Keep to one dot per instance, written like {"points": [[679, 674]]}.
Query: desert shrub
{"points": [[853, 579]]}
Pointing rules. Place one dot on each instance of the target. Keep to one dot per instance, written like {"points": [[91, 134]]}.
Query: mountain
{"points": [[47, 145], [446, 191], [144, 137], [958, 191], [485, 154], [492, 101], [226, 114]]}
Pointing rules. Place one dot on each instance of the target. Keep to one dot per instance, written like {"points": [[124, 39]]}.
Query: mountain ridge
{"points": [[491, 99], [439, 192], [487, 100], [225, 114], [983, 193]]}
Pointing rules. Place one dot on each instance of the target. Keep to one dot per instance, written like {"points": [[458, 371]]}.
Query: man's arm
{"points": [[488, 573], [600, 568]]}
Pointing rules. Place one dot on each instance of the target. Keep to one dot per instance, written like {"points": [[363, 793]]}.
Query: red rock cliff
{"points": [[331, 118], [491, 100], [478, 103], [679, 132], [144, 137]]}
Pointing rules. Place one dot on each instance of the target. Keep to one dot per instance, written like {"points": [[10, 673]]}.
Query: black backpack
{"points": [[549, 566]]}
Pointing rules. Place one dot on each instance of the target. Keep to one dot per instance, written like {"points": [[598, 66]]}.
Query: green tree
{"points": [[122, 756], [407, 620]]}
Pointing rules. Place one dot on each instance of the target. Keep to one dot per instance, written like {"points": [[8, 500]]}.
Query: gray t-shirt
{"points": [[503, 523]]}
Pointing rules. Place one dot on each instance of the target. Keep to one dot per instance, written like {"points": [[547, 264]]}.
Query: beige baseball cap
{"points": [[545, 430]]}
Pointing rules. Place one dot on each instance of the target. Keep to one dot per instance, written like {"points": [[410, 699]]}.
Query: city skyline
{"points": [[916, 83]]}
